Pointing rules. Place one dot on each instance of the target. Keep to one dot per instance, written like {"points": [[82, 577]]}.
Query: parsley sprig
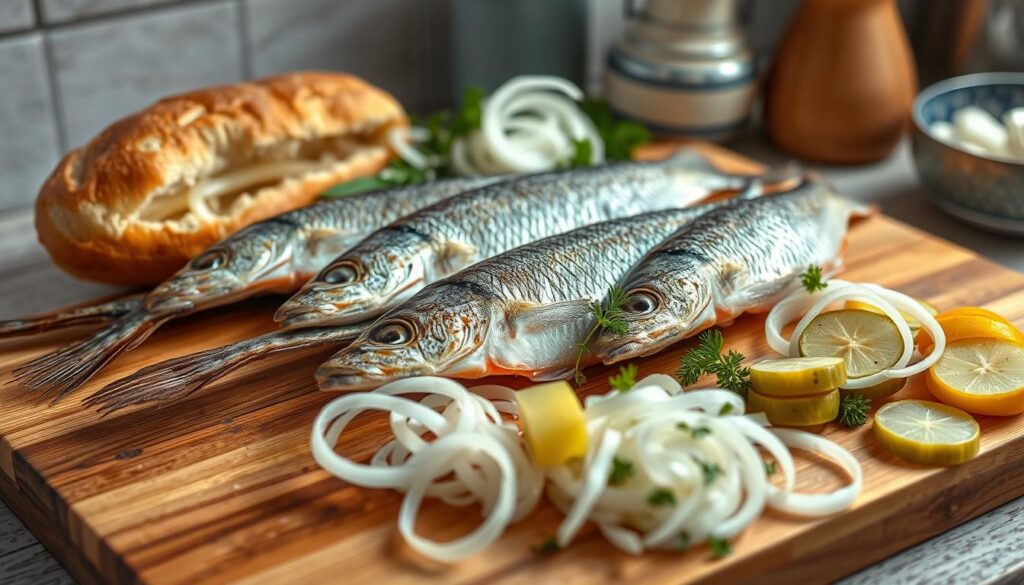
{"points": [[853, 410], [607, 317], [707, 358], [812, 279]]}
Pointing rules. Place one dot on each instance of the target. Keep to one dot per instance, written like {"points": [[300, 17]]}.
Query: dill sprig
{"points": [[607, 317], [707, 358], [812, 279], [582, 153], [625, 379], [853, 410]]}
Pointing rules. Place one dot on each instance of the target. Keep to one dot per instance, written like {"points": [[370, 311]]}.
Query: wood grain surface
{"points": [[221, 487]]}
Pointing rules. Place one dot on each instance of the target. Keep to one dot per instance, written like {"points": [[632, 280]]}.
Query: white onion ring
{"points": [[399, 137], [486, 458], [890, 302], [817, 504]]}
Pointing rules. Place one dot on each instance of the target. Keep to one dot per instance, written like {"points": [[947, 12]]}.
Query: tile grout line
{"points": [[56, 99], [245, 46]]}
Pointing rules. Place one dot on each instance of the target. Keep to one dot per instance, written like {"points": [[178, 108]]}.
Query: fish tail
{"points": [[90, 315], [61, 371], [179, 377], [689, 159]]}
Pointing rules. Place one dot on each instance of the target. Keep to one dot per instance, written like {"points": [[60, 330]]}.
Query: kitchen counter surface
{"points": [[988, 549]]}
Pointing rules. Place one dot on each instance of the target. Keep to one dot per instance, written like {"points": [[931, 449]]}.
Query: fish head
{"points": [[364, 282], [257, 258], [437, 333], [657, 312]]}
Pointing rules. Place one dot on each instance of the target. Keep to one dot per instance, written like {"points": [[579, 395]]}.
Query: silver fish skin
{"points": [[275, 255], [392, 264], [742, 257], [523, 312]]}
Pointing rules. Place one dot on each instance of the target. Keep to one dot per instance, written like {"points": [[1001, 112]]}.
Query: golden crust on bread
{"points": [[156, 188]]}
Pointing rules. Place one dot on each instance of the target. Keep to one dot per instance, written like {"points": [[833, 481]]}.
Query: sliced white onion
{"points": [[481, 458], [807, 306], [527, 125], [817, 504], [398, 138]]}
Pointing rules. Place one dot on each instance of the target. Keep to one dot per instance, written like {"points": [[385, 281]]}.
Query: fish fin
{"points": [[97, 314], [329, 243], [552, 375], [527, 317], [456, 256]]}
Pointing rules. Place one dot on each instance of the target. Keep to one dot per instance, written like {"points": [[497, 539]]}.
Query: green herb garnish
{"points": [[622, 470], [607, 317], [582, 154], [625, 379], [707, 358], [548, 546], [356, 186], [711, 471], [853, 410], [620, 137], [696, 433], [661, 497], [812, 280], [769, 467], [719, 547], [726, 409]]}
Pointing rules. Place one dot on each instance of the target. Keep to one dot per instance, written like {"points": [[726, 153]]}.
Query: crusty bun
{"points": [[156, 188]]}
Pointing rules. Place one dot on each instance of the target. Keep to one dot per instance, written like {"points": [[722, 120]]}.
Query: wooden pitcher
{"points": [[843, 82]]}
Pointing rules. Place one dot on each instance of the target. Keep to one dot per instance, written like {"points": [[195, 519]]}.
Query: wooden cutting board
{"points": [[221, 487]]}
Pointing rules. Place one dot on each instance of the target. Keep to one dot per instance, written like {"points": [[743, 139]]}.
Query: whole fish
{"points": [[399, 259], [742, 257], [396, 261], [276, 255], [523, 312]]}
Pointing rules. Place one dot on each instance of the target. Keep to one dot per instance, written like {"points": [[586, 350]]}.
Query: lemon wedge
{"points": [[799, 411], [796, 376], [927, 432], [551, 418], [983, 376], [879, 390], [867, 342]]}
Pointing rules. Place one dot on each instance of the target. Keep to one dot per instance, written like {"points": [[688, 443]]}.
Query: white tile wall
{"points": [[392, 43], [108, 69], [16, 15], [28, 133], [64, 10]]}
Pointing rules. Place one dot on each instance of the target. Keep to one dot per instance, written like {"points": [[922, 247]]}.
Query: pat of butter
{"points": [[551, 417]]}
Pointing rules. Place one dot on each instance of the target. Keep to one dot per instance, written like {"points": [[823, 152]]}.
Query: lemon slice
{"points": [[867, 341], [551, 417], [927, 432], [799, 411], [913, 323], [960, 324], [795, 376], [879, 390], [983, 376]]}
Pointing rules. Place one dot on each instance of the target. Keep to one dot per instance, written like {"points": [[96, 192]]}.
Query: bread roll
{"points": [[156, 188]]}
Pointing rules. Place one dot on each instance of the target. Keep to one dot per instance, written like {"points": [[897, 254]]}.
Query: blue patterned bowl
{"points": [[985, 190]]}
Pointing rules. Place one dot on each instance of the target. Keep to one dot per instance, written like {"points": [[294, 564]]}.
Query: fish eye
{"points": [[210, 260], [340, 274], [393, 333], [640, 303]]}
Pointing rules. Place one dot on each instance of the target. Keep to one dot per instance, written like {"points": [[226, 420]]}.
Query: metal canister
{"points": [[683, 68]]}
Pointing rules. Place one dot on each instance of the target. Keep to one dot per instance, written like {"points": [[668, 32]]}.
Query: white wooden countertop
{"points": [[988, 549]]}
